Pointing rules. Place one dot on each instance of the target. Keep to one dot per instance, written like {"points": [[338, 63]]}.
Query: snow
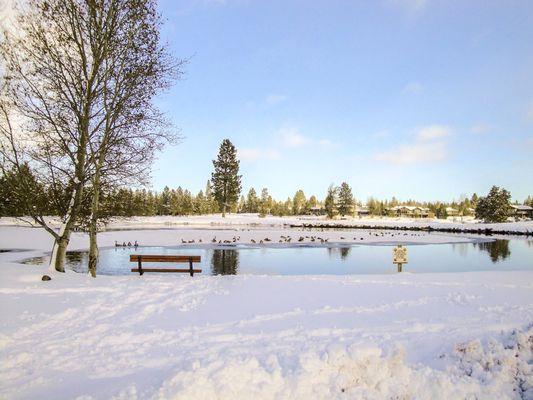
{"points": [[424, 336], [253, 220]]}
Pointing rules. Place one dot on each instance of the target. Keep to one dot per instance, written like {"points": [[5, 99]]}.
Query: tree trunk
{"points": [[59, 252], [93, 225], [224, 210], [93, 250]]}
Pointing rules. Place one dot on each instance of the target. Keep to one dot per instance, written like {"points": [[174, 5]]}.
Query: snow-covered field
{"points": [[423, 336]]}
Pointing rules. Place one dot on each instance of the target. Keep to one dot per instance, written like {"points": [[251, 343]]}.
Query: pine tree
{"points": [[299, 202], [330, 201], [212, 206], [495, 207], [265, 203], [252, 202], [226, 179], [346, 201]]}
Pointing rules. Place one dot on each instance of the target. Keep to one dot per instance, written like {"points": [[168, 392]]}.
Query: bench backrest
{"points": [[173, 259]]}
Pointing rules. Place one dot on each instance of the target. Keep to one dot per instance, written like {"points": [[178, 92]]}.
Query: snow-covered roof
{"points": [[521, 207], [410, 208]]}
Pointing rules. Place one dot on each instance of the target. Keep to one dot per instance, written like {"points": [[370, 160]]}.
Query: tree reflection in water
{"points": [[342, 252], [498, 249], [345, 252], [224, 262]]}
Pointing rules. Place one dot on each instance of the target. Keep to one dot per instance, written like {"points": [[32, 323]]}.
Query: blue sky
{"points": [[409, 98]]}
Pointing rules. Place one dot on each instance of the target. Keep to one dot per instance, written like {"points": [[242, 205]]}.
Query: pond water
{"points": [[498, 255]]}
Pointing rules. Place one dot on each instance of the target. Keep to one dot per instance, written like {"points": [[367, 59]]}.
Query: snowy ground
{"points": [[427, 336], [240, 220]]}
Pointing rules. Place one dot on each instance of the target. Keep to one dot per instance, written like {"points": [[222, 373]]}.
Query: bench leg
{"points": [[139, 263], [191, 271]]}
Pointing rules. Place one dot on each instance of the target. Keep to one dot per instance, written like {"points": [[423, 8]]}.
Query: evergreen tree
{"points": [[474, 199], [226, 179], [330, 201], [242, 205], [312, 202], [346, 200], [495, 207], [265, 204], [299, 201], [252, 202], [212, 206]]}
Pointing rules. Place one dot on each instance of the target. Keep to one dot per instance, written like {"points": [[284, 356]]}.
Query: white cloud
{"points": [[432, 132], [255, 154], [480, 129], [273, 99], [415, 153], [429, 146], [413, 88], [291, 137]]}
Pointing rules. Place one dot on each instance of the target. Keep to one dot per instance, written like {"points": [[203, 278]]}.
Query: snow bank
{"points": [[430, 336]]}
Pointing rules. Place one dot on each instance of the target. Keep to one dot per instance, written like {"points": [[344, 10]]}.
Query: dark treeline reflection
{"points": [[342, 252], [225, 262], [498, 249]]}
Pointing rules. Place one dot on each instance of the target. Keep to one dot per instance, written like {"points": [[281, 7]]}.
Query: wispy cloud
{"points": [[273, 99], [432, 132], [413, 88], [480, 129], [291, 137], [429, 146], [415, 153], [255, 154]]}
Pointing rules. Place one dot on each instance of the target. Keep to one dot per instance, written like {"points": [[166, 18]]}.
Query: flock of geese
{"points": [[300, 239]]}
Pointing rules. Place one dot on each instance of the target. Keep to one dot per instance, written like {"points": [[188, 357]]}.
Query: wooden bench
{"points": [[174, 259]]}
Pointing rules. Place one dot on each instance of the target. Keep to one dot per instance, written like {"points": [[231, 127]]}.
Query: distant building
{"points": [[522, 211], [452, 212], [410, 211], [362, 211], [317, 210]]}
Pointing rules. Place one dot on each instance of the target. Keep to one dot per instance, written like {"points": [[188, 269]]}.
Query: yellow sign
{"points": [[399, 255]]}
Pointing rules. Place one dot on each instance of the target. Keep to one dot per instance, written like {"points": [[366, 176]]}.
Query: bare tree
{"points": [[50, 70], [131, 128], [80, 76]]}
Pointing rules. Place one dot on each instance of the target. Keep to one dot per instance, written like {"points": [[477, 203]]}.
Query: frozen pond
{"points": [[498, 255]]}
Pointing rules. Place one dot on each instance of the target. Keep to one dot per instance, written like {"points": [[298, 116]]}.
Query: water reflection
{"points": [[340, 252], [498, 249], [224, 262]]}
